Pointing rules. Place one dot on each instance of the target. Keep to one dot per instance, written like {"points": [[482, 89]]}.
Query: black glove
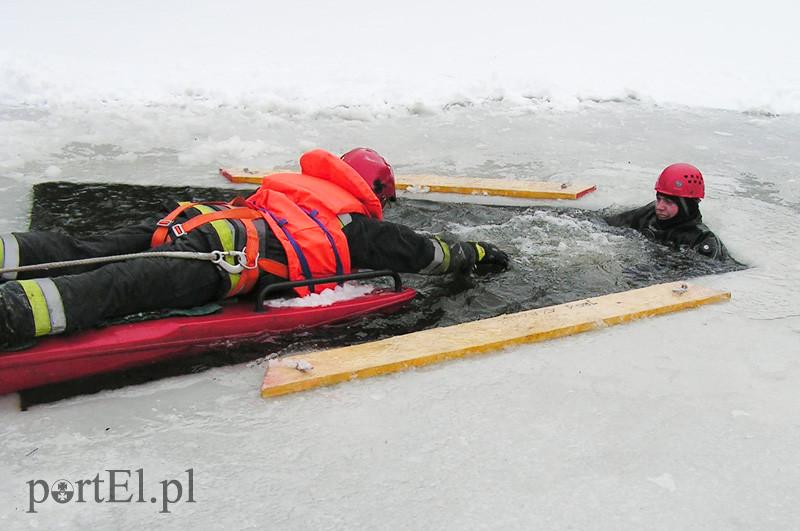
{"points": [[489, 258], [477, 257]]}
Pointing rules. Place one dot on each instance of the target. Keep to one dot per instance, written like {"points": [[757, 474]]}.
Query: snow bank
{"points": [[357, 59]]}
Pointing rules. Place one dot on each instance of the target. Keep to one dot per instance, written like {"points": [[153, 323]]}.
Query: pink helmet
{"points": [[681, 180], [375, 170]]}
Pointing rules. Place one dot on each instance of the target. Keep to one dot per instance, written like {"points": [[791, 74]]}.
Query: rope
{"points": [[216, 257]]}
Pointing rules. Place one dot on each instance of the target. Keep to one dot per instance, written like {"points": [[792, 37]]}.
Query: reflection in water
{"points": [[558, 255]]}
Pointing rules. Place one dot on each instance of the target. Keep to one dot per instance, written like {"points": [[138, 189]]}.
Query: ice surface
{"points": [[681, 421]]}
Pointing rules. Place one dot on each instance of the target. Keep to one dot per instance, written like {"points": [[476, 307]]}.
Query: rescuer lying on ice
{"points": [[324, 221], [674, 217]]}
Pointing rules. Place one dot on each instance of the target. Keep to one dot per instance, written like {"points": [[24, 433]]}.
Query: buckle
{"points": [[164, 222], [177, 230]]}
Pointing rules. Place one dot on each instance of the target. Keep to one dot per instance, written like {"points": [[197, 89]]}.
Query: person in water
{"points": [[674, 217], [325, 220]]}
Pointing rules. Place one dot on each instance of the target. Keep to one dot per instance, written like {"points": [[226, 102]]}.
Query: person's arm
{"points": [[385, 245], [634, 219], [711, 246]]}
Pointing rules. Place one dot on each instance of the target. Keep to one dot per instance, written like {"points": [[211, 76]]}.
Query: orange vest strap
{"points": [[273, 266]]}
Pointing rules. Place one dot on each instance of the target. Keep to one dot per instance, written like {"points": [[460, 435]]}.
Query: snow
{"points": [[306, 56], [327, 297], [680, 421]]}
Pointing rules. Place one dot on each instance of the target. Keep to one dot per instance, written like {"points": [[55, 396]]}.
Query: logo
{"points": [[116, 486], [678, 183], [62, 491]]}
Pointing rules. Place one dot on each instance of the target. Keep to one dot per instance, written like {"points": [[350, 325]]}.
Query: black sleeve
{"points": [[385, 245], [635, 219], [711, 246]]}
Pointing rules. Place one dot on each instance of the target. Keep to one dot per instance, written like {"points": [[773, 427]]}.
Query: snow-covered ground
{"points": [[682, 421]]}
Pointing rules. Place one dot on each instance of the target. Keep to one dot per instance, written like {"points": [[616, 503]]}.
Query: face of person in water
{"points": [[666, 208]]}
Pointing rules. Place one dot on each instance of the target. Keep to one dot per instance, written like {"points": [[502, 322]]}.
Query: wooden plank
{"points": [[501, 187], [454, 185], [246, 175], [467, 339]]}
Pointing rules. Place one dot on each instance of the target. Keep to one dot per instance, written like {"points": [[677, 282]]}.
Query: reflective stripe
{"points": [[55, 306], [345, 219], [446, 261], [224, 230], [226, 234], [41, 315], [203, 209], [441, 258], [481, 253], [9, 252]]}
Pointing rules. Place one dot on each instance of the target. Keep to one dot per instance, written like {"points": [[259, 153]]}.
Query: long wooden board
{"points": [[467, 339], [454, 185], [502, 187]]}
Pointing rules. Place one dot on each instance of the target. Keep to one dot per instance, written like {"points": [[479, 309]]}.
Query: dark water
{"points": [[558, 255]]}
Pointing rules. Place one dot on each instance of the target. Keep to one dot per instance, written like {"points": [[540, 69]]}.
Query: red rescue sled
{"points": [[61, 358]]}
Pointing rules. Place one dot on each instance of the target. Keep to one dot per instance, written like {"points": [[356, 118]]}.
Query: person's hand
{"points": [[489, 258]]}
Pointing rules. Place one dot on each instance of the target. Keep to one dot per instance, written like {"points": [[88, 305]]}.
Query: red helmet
{"points": [[375, 170], [681, 180]]}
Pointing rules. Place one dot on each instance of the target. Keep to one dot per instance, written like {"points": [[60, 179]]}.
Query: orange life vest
{"points": [[326, 184], [303, 213], [301, 210]]}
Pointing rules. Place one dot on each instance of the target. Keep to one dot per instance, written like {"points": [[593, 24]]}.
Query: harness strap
{"points": [[265, 264], [164, 224], [249, 275], [239, 211], [246, 215]]}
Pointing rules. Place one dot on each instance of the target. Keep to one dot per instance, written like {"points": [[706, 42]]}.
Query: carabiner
{"points": [[219, 260], [242, 259]]}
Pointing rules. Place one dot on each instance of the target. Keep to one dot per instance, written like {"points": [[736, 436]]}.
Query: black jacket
{"points": [[691, 233]]}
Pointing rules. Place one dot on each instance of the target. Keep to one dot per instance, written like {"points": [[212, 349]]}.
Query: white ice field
{"points": [[688, 421]]}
